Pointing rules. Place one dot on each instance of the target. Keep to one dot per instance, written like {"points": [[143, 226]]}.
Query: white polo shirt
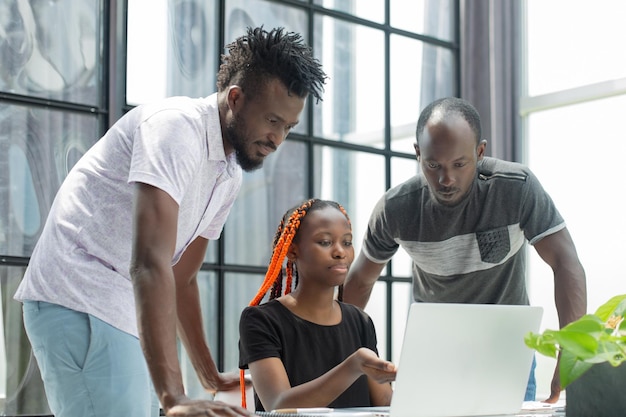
{"points": [[82, 258]]}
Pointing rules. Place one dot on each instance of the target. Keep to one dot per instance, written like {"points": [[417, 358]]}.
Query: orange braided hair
{"points": [[282, 240], [285, 234]]}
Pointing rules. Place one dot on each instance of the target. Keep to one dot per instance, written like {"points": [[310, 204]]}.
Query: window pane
{"points": [[376, 308], [353, 109], [435, 18], [21, 388], [343, 175], [559, 146], [373, 10], [402, 297], [401, 293], [586, 50], [240, 289], [52, 49], [420, 74], [241, 14], [266, 194], [401, 264], [401, 170], [38, 147], [406, 91], [211, 252], [558, 153], [185, 63], [208, 290]]}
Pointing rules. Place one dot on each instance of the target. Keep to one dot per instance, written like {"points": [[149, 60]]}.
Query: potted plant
{"points": [[591, 350]]}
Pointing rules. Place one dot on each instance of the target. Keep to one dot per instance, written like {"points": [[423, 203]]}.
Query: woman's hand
{"points": [[374, 367]]}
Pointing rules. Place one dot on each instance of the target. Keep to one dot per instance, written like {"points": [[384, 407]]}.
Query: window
{"points": [[573, 140], [51, 111], [69, 69]]}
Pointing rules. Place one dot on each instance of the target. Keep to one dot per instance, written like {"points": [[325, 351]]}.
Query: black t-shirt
{"points": [[306, 349]]}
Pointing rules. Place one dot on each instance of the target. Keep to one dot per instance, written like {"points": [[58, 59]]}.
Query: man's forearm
{"points": [[360, 281], [354, 292], [570, 292], [156, 319], [191, 332]]}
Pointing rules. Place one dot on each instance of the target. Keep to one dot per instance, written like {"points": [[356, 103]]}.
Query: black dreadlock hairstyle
{"points": [[260, 56]]}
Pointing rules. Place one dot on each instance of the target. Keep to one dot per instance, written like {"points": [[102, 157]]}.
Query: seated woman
{"points": [[306, 348]]}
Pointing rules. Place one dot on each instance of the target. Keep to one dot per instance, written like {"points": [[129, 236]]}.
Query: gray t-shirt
{"points": [[82, 258], [472, 252]]}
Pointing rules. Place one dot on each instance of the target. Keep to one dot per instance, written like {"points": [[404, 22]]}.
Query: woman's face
{"points": [[322, 249]]}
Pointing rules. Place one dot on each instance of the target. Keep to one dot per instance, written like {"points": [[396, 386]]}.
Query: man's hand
{"points": [[222, 382], [555, 387], [195, 408]]}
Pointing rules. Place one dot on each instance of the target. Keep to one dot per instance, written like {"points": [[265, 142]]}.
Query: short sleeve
{"points": [[167, 151], [371, 340], [257, 337], [539, 216], [379, 245]]}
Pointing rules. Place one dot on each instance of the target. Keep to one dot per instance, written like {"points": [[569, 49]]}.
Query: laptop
{"points": [[464, 360]]}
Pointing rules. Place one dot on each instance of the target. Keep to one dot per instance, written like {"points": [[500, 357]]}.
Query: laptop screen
{"points": [[464, 360]]}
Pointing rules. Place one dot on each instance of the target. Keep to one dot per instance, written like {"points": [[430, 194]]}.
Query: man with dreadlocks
{"points": [[113, 276], [306, 348]]}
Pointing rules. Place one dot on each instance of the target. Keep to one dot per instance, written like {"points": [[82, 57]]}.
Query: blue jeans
{"points": [[531, 388], [89, 368]]}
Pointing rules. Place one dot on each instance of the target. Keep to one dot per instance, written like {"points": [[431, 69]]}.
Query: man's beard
{"points": [[235, 133]]}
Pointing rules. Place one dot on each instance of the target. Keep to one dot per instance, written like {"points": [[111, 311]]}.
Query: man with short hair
{"points": [[465, 220]]}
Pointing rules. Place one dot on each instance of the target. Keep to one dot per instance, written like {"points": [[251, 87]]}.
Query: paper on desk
{"points": [[360, 412], [332, 413], [541, 406], [346, 413]]}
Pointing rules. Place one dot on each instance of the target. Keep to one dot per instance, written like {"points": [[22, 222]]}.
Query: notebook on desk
{"points": [[464, 360]]}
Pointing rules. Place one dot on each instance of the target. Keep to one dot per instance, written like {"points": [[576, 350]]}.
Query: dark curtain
{"points": [[490, 70]]}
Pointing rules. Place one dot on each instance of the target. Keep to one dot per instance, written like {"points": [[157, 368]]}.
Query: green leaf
{"points": [[615, 306], [570, 368], [581, 345], [544, 343], [610, 351], [584, 342], [586, 324]]}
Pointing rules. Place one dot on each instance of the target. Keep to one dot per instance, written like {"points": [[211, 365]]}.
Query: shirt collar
{"points": [[215, 139]]}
